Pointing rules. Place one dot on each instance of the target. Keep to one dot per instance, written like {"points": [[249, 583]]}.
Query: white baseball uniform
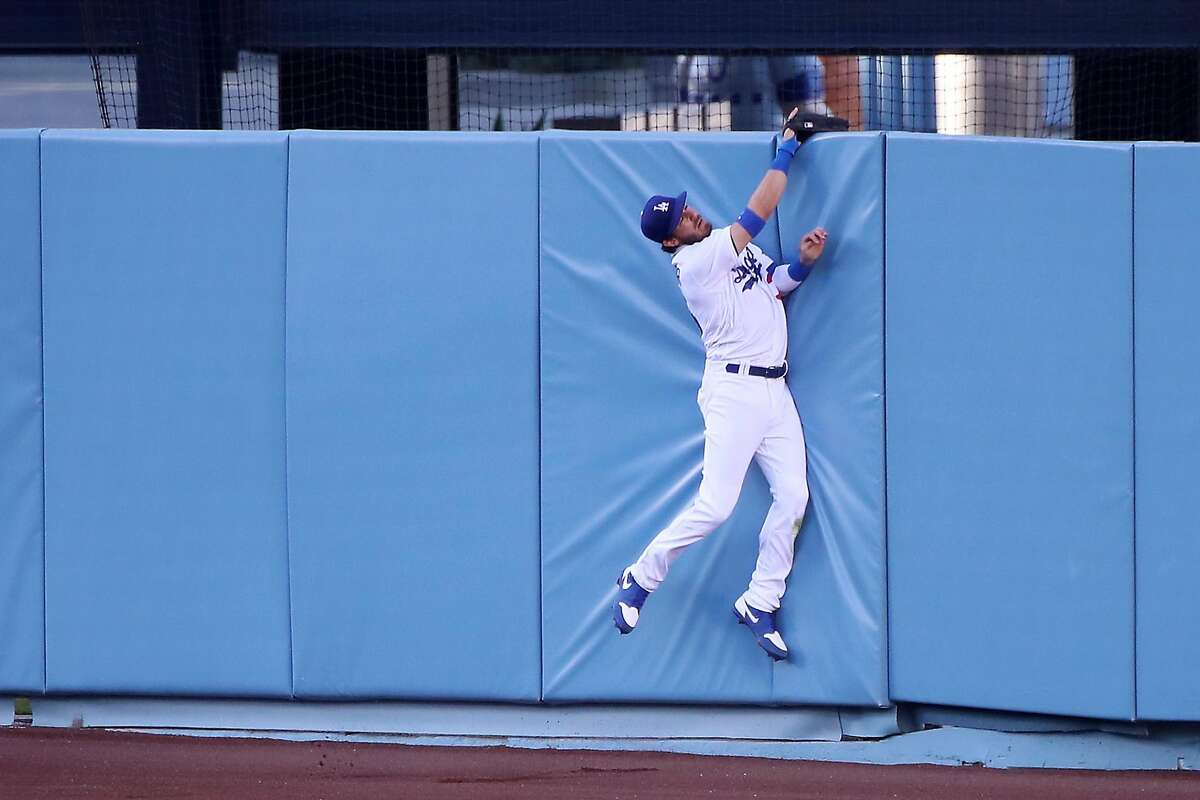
{"points": [[736, 300]]}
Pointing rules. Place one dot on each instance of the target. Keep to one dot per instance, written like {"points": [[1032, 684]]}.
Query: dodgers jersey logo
{"points": [[748, 272]]}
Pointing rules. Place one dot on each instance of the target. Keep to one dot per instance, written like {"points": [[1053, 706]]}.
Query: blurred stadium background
{"points": [[1082, 69]]}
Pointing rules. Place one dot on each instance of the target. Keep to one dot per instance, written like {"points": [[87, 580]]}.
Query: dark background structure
{"points": [[377, 64]]}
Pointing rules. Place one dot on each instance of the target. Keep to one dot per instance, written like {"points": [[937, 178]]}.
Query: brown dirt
{"points": [[63, 764]]}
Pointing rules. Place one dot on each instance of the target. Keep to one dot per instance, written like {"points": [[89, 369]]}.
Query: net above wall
{"points": [[358, 65]]}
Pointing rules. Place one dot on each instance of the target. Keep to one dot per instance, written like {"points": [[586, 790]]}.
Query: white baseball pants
{"points": [[744, 417]]}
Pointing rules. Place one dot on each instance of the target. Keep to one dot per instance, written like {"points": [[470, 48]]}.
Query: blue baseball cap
{"points": [[660, 215]]}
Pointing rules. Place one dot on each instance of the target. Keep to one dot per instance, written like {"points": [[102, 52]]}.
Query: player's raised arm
{"points": [[796, 130], [766, 197]]}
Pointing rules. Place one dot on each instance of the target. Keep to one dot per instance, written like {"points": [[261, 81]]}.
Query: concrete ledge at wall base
{"points": [[1175, 751], [952, 746], [802, 734], [469, 720], [915, 717]]}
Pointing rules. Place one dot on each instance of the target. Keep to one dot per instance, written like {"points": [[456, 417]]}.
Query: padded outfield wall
{"points": [[254, 436]]}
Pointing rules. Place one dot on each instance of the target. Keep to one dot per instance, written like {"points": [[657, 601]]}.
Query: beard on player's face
{"points": [[692, 226]]}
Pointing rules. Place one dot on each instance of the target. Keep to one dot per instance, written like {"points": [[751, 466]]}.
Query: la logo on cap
{"points": [[660, 215]]}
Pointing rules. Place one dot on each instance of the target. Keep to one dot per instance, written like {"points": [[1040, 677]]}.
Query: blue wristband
{"points": [[798, 271], [752, 222], [783, 158]]}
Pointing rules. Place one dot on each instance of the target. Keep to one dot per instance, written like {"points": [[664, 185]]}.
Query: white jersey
{"points": [[740, 314]]}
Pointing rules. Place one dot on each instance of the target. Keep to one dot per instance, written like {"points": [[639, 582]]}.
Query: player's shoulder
{"points": [[687, 256], [703, 250]]}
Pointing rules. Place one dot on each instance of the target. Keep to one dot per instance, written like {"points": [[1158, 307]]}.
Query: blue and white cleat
{"points": [[628, 605], [762, 625]]}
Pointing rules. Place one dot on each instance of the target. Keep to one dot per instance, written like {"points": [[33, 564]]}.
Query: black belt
{"points": [[759, 372]]}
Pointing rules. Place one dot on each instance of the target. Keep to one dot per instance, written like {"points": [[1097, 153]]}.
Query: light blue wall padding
{"points": [[412, 415], [622, 437], [163, 288], [1009, 424], [1167, 292], [834, 612], [21, 617]]}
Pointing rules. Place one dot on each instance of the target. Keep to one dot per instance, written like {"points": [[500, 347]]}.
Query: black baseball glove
{"points": [[806, 124]]}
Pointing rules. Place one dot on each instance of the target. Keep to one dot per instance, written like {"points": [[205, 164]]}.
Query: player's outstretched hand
{"points": [[812, 244], [787, 131]]}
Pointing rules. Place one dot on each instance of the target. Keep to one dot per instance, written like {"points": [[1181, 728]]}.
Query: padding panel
{"points": [[412, 415], [622, 436], [21, 527], [1009, 436], [1167, 292], [165, 510], [834, 613]]}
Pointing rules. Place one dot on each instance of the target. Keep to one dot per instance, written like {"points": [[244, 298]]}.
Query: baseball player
{"points": [[734, 291]]}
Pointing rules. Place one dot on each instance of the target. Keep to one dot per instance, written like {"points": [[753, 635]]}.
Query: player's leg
{"points": [[734, 421], [782, 458], [734, 424]]}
